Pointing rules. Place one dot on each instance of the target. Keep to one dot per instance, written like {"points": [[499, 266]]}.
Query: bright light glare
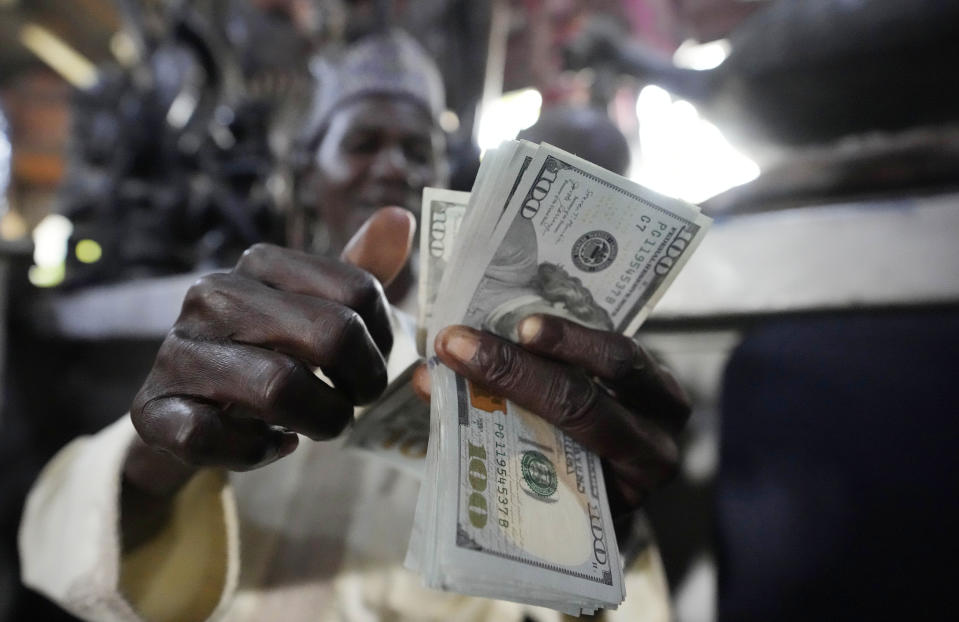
{"points": [[50, 250], [88, 251], [62, 58], [5, 154], [50, 240], [182, 108], [124, 48], [505, 117], [694, 55], [46, 276], [683, 155], [449, 121]]}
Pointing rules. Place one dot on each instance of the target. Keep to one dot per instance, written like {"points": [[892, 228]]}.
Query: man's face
{"points": [[377, 151]]}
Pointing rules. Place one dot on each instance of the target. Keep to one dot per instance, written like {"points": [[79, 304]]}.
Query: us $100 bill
{"points": [[517, 499]]}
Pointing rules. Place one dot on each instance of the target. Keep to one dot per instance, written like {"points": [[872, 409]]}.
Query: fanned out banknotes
{"points": [[512, 508]]}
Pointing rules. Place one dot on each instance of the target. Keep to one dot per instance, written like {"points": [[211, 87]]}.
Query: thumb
{"points": [[382, 244]]}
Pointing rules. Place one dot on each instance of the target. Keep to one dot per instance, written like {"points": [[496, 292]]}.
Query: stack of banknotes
{"points": [[510, 507]]}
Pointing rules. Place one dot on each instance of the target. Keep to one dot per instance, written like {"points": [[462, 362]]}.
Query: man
{"points": [[143, 521], [372, 140]]}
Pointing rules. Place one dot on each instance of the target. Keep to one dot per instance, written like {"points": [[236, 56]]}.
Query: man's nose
{"points": [[391, 163]]}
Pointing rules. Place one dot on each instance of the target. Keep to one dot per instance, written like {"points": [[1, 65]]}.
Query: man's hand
{"points": [[599, 387], [233, 384]]}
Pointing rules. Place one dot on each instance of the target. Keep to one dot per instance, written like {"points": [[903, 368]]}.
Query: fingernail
{"points": [[530, 328], [462, 345]]}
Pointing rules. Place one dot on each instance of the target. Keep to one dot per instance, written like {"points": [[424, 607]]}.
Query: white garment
{"points": [[318, 535]]}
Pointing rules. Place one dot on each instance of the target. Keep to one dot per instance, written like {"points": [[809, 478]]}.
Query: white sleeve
{"points": [[70, 547]]}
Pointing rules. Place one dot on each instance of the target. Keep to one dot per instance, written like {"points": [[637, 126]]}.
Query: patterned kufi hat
{"points": [[390, 63]]}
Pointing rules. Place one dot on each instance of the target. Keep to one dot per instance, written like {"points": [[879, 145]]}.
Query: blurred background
{"points": [[143, 141]]}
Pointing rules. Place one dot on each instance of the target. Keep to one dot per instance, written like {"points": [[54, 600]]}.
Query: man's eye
{"points": [[418, 151], [362, 145]]}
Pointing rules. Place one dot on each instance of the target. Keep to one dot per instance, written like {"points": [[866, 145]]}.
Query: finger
{"points": [[322, 277], [198, 434], [421, 383], [601, 353], [382, 244], [564, 396], [267, 385], [624, 366], [317, 331]]}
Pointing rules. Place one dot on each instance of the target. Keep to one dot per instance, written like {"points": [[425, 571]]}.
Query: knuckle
{"points": [[501, 365], [180, 358], [278, 379], [208, 293], [552, 333], [575, 400], [348, 333], [170, 349], [620, 355], [363, 291], [256, 258]]}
